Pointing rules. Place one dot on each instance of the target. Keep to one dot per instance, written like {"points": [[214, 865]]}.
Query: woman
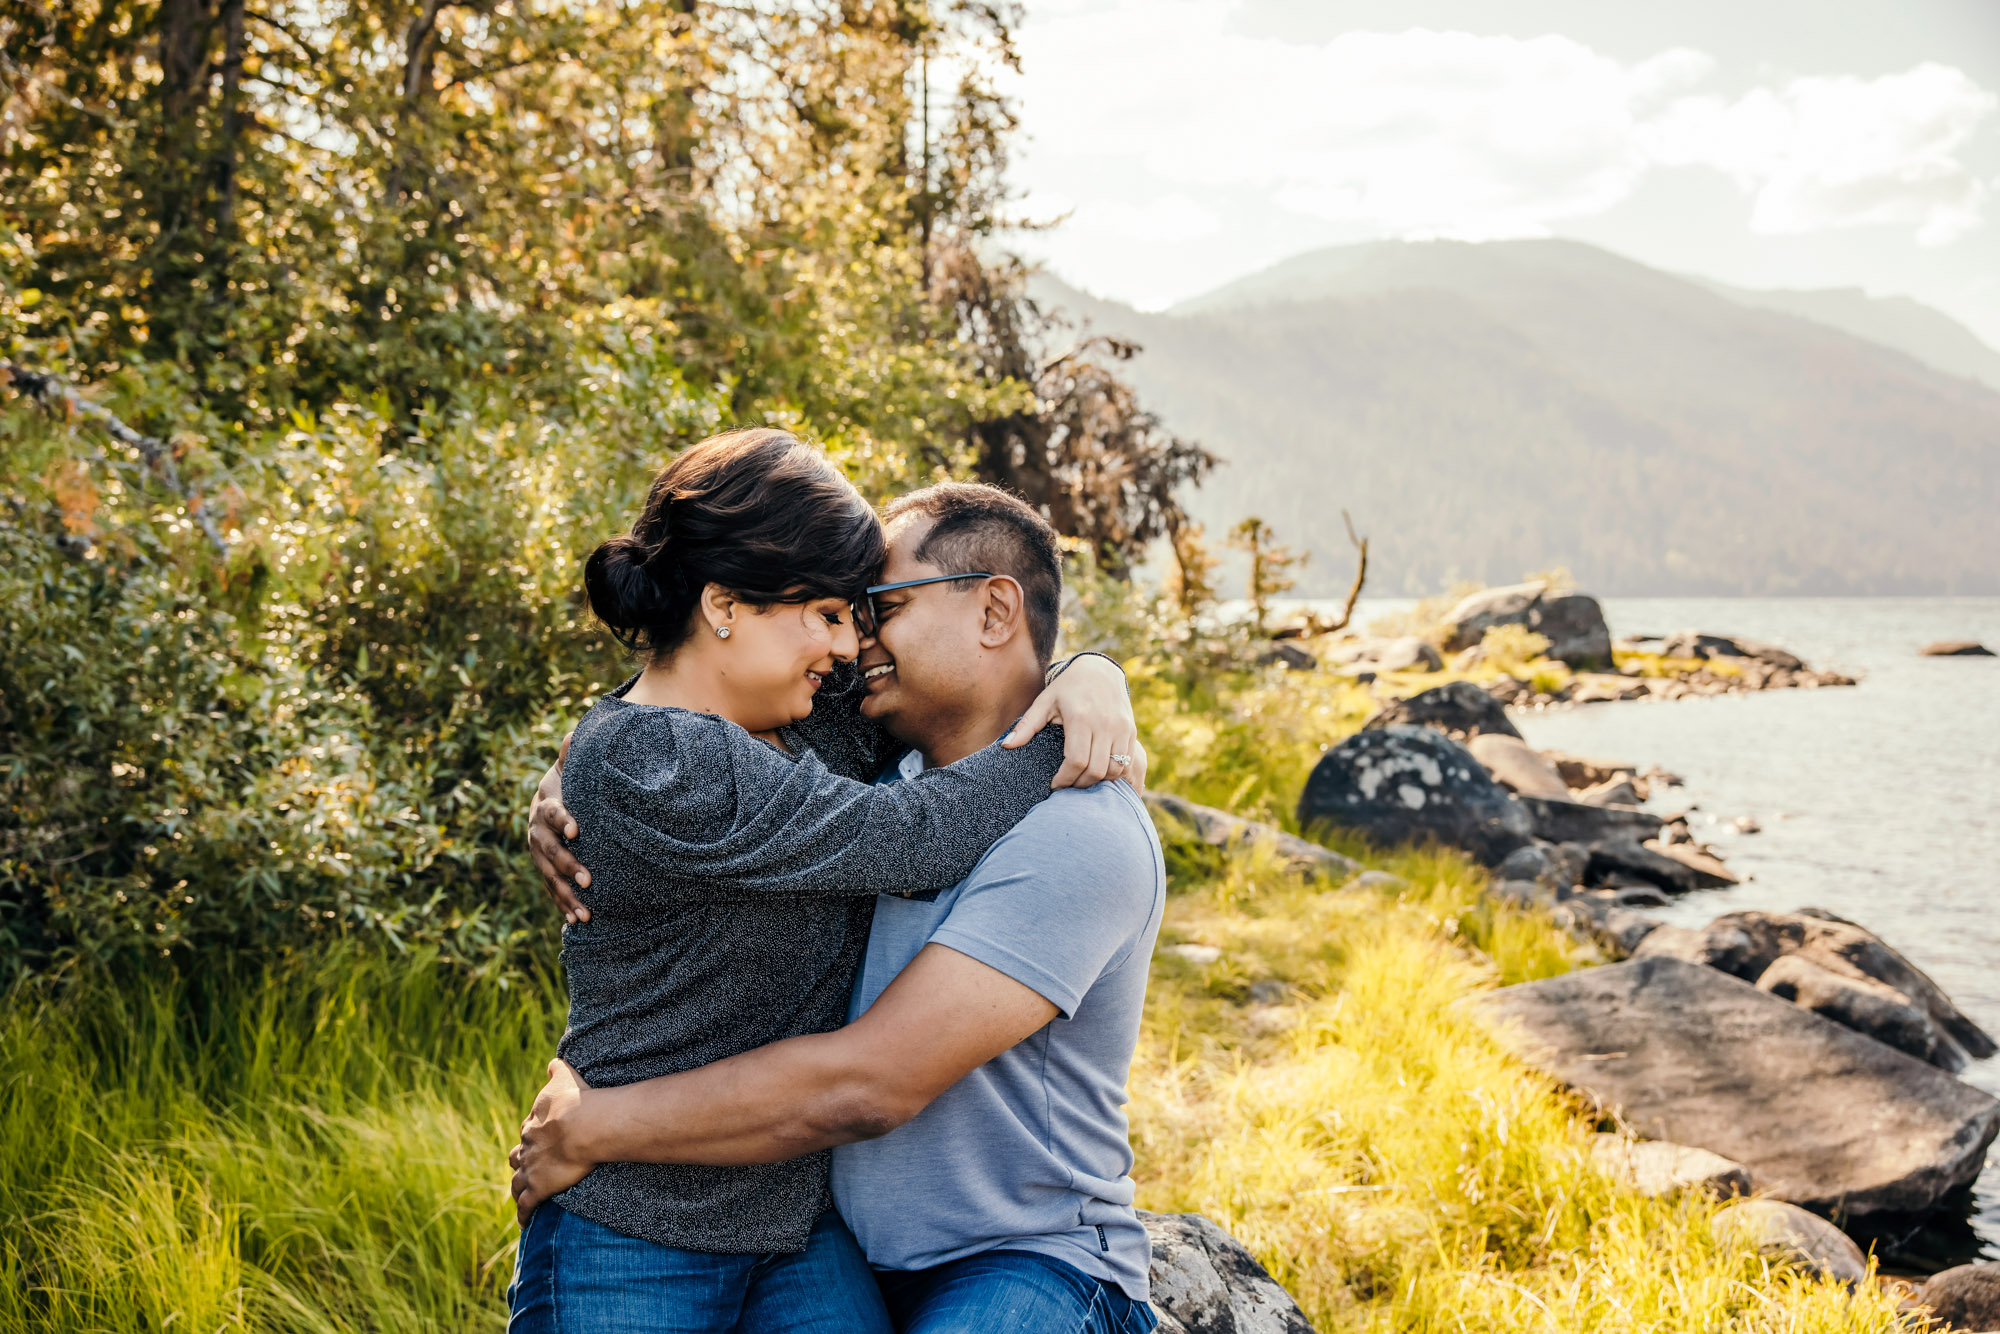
{"points": [[736, 858]]}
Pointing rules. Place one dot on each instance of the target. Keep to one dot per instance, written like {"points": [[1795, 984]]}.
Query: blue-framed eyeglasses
{"points": [[866, 621]]}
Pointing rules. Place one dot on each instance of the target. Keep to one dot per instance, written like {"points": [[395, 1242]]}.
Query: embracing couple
{"points": [[854, 986]]}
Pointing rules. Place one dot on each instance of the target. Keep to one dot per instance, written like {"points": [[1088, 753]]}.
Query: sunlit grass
{"points": [[1396, 1170], [318, 1145]]}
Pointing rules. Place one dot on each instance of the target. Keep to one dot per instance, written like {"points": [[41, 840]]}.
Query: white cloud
{"points": [[1841, 152], [1423, 133]]}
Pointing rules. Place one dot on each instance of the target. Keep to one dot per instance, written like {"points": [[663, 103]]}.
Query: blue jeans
{"points": [[573, 1276], [1009, 1292]]}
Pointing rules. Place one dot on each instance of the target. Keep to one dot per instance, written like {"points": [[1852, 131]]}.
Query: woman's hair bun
{"points": [[623, 594]]}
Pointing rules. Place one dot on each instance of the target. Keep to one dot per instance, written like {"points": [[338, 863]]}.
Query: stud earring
{"points": [[722, 632]]}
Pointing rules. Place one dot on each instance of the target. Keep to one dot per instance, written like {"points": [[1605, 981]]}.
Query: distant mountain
{"points": [[1486, 410], [1929, 335]]}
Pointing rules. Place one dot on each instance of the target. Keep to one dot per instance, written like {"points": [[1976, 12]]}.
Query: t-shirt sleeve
{"points": [[1062, 900], [719, 813]]}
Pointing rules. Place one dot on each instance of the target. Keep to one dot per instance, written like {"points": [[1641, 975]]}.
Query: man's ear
{"points": [[1002, 618]]}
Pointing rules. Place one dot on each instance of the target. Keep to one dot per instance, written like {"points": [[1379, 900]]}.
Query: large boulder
{"points": [[1413, 785], [1964, 1297], [1749, 944], [1205, 1282], [1821, 1116], [1694, 644], [1516, 766], [1572, 622], [1785, 1232], [1955, 648], [1864, 1005], [1460, 709], [1220, 829]]}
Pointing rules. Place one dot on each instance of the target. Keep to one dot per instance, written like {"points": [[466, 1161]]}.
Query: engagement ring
{"points": [[1121, 759]]}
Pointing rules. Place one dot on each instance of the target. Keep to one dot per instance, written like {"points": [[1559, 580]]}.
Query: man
{"points": [[976, 1096]]}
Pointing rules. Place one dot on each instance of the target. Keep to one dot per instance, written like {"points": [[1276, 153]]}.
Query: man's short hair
{"points": [[979, 527]]}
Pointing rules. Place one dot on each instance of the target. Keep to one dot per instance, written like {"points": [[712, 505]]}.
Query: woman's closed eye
{"points": [[832, 617]]}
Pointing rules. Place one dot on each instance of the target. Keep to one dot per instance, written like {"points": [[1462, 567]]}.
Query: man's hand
{"points": [[544, 1161], [549, 823], [1089, 699]]}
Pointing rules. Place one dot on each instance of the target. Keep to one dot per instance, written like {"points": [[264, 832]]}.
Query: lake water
{"points": [[1880, 803]]}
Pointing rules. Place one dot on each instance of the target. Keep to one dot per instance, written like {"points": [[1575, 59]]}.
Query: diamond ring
{"points": [[1121, 759]]}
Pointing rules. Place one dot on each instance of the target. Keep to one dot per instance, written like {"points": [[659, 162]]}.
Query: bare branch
{"points": [[47, 388], [1360, 576]]}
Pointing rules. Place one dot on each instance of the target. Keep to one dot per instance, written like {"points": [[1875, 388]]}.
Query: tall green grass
{"points": [[317, 1144]]}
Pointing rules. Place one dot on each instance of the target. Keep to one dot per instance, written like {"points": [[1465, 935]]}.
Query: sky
{"points": [[1766, 143]]}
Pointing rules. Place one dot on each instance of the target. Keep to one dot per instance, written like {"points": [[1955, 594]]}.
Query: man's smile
{"points": [[878, 671]]}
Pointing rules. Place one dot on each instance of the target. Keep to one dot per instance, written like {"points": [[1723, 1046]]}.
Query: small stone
{"points": [[1268, 992], [1955, 648], [1380, 881], [1660, 1167], [1966, 1297], [1747, 824], [1786, 1232], [1199, 955]]}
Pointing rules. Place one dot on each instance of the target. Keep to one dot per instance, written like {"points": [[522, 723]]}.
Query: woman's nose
{"points": [[846, 646]]}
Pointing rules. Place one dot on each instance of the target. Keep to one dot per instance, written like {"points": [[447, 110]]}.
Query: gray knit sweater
{"points": [[731, 891]]}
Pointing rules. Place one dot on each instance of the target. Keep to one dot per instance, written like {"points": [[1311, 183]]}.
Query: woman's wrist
{"points": [[1058, 668]]}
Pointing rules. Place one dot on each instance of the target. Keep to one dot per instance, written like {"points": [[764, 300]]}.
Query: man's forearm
{"points": [[777, 1102]]}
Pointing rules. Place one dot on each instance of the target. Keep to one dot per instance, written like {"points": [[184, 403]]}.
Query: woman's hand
{"points": [[549, 823], [546, 1160], [1089, 699]]}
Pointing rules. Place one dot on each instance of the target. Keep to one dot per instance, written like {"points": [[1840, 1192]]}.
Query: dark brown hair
{"points": [[758, 512], [978, 527]]}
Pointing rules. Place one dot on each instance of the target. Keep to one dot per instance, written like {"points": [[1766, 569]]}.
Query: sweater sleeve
{"points": [[720, 814]]}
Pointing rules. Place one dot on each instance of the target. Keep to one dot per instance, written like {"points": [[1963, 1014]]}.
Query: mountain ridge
{"points": [[1486, 410]]}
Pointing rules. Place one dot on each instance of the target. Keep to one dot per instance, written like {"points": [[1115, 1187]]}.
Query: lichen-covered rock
{"points": [[1413, 785], [1205, 1282]]}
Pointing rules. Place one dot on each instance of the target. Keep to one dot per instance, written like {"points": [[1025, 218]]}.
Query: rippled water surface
{"points": [[1880, 803]]}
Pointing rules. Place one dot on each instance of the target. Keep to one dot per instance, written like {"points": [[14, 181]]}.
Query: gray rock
{"points": [[1572, 622], [1615, 930], [1707, 870], [1864, 1005], [1965, 1297], [1619, 791], [1786, 1232], [1746, 944], [1574, 822], [1461, 709], [1580, 771], [1692, 644], [1545, 863], [1220, 829], [1406, 654], [1524, 893], [1382, 882], [1291, 655], [1412, 785], [1205, 1282], [1822, 1116], [1955, 648], [1619, 858], [1657, 1167], [1516, 766]]}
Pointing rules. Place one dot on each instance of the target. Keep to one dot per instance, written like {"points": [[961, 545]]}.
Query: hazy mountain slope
{"points": [[1486, 410], [1929, 335]]}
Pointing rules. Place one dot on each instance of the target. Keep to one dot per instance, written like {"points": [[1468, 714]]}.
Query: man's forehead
{"points": [[904, 535]]}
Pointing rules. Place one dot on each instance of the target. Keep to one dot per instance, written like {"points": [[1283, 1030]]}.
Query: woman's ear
{"points": [[1003, 616], [717, 607]]}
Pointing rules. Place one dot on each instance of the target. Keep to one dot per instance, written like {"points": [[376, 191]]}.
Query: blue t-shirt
{"points": [[1030, 1152]]}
